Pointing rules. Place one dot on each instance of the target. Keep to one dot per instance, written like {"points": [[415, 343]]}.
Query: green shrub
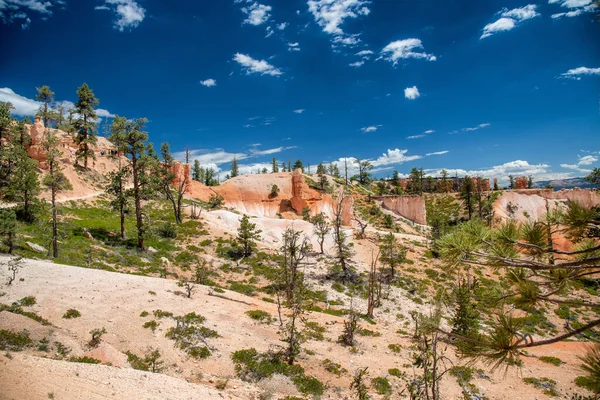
{"points": [[395, 372], [27, 301], [71, 313], [152, 325], [167, 231], [381, 385], [333, 367], [151, 361], [314, 331], [14, 341], [259, 315], [85, 360], [551, 360], [162, 314], [546, 384], [144, 314], [396, 348]]}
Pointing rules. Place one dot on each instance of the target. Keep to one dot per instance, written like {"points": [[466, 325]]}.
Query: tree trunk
{"points": [[138, 203], [122, 215], [54, 224]]}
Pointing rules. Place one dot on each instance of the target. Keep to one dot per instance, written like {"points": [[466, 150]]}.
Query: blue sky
{"points": [[487, 88]]}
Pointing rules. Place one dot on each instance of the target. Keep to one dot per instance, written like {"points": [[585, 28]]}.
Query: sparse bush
{"points": [[546, 384], [551, 360], [151, 362], [167, 231], [144, 314], [396, 348], [395, 372], [71, 313], [84, 360], [381, 385], [358, 384], [259, 315], [350, 328], [14, 341], [96, 336], [274, 191], [152, 325], [215, 201], [187, 286], [333, 367], [27, 301]]}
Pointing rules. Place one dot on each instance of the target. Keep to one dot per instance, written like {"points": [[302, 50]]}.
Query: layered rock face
{"points": [[251, 194], [531, 203], [37, 133], [409, 207], [182, 174]]}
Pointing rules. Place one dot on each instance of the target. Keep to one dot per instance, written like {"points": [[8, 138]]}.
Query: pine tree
{"points": [[131, 140], [321, 170], [275, 166], [321, 229], [24, 185], [46, 96], [298, 165], [364, 176], [167, 177], [466, 194], [196, 173], [8, 228], [85, 125], [247, 235], [117, 189], [395, 179], [234, 168], [56, 181], [392, 253]]}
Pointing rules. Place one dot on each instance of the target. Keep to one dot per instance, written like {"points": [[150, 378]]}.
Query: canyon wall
{"points": [[409, 207]]}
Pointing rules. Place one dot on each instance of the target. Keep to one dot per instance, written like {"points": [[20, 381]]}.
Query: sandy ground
{"points": [[115, 301]]}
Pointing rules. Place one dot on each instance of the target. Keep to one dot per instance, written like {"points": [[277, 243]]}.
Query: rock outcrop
{"points": [[182, 174], [297, 201], [409, 207], [37, 133]]}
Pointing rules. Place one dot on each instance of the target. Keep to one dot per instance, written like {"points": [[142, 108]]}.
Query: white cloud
{"points": [[422, 135], [515, 168], [330, 15], [576, 73], [299, 111], [253, 66], [255, 152], [577, 7], [391, 157], [282, 26], [12, 10], [584, 161], [22, 106], [129, 13], [369, 129], [475, 128], [257, 14], [571, 3], [405, 49], [510, 19], [437, 153], [208, 82], [293, 46], [365, 53], [357, 64], [412, 93]]}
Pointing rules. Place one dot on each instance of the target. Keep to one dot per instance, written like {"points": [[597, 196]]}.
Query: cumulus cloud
{"points": [[15, 10], [253, 66], [437, 153], [255, 152], [405, 49], [257, 14], [331, 14], [584, 161], [515, 168], [576, 73], [576, 7], [299, 111], [392, 157], [208, 82], [411, 93], [129, 13], [23, 106], [282, 26], [357, 64], [293, 46], [509, 19]]}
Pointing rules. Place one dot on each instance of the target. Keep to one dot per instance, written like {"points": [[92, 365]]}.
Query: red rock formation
{"points": [[521, 182], [182, 174], [297, 201], [347, 210], [410, 207], [483, 182], [37, 133]]}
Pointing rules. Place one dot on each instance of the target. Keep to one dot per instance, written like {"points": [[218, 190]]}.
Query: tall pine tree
{"points": [[85, 125]]}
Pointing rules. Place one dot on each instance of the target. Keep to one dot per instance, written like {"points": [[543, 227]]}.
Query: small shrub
{"points": [[27, 301], [333, 367], [259, 315], [151, 362], [314, 331], [14, 341], [274, 191], [381, 385], [71, 313], [167, 231], [152, 325], [395, 372], [96, 336], [546, 384], [551, 360], [85, 360], [162, 314], [396, 348], [144, 314]]}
